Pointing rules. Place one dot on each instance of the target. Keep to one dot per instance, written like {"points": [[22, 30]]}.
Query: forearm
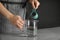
{"points": [[5, 12]]}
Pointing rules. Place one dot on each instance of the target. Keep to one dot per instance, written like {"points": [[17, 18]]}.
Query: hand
{"points": [[18, 21], [35, 3]]}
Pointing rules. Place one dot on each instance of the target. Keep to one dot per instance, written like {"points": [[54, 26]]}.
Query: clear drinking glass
{"points": [[31, 26]]}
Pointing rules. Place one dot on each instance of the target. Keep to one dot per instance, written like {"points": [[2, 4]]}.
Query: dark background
{"points": [[49, 13]]}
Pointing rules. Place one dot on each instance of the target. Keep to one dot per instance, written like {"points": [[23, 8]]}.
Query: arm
{"points": [[16, 20], [5, 12]]}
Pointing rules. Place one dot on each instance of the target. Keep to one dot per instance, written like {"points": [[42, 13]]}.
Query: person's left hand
{"points": [[35, 3]]}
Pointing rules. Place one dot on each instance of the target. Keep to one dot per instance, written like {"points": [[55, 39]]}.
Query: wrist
{"points": [[9, 16]]}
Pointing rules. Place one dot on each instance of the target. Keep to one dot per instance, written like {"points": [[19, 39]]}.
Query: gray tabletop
{"points": [[43, 34]]}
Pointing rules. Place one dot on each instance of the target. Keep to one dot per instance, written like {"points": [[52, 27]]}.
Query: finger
{"points": [[19, 26], [18, 22], [33, 5], [37, 4], [20, 19]]}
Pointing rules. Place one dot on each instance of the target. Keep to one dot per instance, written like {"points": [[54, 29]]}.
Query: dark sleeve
{"points": [[25, 3]]}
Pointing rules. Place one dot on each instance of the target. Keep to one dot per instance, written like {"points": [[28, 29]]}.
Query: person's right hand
{"points": [[18, 21], [35, 3]]}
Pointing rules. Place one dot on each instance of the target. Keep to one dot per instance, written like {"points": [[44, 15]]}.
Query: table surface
{"points": [[43, 34]]}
